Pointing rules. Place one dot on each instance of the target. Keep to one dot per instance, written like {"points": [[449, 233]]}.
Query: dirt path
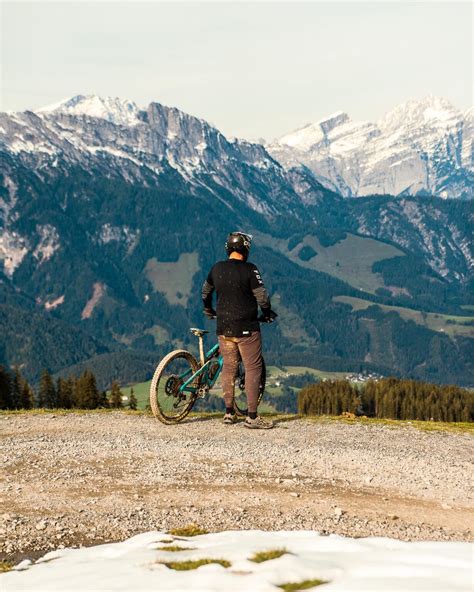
{"points": [[78, 479]]}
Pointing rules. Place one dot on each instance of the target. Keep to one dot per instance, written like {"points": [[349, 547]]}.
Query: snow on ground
{"points": [[369, 564]]}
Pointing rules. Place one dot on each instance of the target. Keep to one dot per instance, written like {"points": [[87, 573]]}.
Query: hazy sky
{"points": [[252, 69]]}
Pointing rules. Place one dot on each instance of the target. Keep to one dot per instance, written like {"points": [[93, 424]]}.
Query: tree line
{"points": [[79, 392], [389, 398]]}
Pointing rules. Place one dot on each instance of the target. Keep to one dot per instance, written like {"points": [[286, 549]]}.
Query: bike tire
{"points": [[159, 376], [241, 397]]}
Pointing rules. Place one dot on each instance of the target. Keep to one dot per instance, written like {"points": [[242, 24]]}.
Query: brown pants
{"points": [[249, 350]]}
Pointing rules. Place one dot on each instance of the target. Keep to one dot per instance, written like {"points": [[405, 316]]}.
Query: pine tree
{"points": [[115, 395], [47, 393], [86, 394], [132, 403], [16, 387], [103, 400], [5, 389], [27, 396], [64, 393]]}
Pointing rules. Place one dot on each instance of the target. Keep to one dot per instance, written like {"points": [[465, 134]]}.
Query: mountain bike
{"points": [[180, 380]]}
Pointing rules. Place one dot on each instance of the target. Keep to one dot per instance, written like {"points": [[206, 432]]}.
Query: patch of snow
{"points": [[114, 152], [6, 207], [48, 243], [13, 249], [368, 564], [21, 145], [54, 303], [110, 233], [114, 110]]}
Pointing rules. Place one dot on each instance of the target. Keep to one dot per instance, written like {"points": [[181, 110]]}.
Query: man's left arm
{"points": [[206, 293]]}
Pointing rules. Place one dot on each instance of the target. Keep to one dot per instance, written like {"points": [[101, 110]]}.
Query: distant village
{"points": [[363, 377]]}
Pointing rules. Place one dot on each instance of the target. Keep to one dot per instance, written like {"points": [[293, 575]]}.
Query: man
{"points": [[240, 290]]}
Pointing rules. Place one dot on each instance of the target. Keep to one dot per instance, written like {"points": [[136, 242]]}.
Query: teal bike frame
{"points": [[207, 378]]}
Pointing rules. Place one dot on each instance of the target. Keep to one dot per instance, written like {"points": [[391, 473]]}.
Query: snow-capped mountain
{"points": [[113, 138], [112, 214], [420, 148], [143, 144]]}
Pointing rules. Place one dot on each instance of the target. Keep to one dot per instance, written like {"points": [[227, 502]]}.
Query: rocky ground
{"points": [[82, 478]]}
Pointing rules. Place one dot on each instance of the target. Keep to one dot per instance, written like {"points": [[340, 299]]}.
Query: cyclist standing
{"points": [[240, 291]]}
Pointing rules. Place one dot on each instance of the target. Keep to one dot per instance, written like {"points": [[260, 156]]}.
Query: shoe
{"points": [[258, 423], [230, 418]]}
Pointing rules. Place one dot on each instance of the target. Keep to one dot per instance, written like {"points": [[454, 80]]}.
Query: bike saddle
{"points": [[198, 332]]}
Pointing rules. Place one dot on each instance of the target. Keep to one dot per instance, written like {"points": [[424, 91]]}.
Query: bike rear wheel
{"points": [[240, 396], [168, 403]]}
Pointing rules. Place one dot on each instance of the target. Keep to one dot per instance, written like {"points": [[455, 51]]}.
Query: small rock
{"points": [[446, 507], [338, 512], [393, 517], [294, 494], [41, 525], [278, 480]]}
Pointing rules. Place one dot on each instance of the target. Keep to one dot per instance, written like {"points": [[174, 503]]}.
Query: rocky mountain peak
{"points": [[112, 109], [329, 123], [430, 111], [422, 146], [313, 133]]}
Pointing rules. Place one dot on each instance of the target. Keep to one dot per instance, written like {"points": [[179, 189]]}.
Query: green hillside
{"points": [[350, 259], [452, 325], [274, 388]]}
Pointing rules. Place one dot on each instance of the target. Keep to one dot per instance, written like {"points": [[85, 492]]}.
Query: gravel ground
{"points": [[80, 479]]}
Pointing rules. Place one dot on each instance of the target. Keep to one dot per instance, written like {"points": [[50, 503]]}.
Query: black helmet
{"points": [[239, 242]]}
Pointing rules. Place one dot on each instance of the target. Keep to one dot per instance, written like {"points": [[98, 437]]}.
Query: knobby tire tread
{"points": [[155, 380]]}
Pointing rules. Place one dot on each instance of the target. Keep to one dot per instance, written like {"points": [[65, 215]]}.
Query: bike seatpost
{"points": [[201, 349]]}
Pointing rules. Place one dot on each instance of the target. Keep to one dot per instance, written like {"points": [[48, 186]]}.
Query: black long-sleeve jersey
{"points": [[240, 291]]}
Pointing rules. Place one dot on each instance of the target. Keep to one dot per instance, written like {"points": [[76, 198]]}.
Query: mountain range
{"points": [[419, 148], [111, 215]]}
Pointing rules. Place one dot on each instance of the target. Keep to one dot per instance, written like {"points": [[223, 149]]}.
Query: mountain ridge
{"points": [[419, 147], [111, 228]]}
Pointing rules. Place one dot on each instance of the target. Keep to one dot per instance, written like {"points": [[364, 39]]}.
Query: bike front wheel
{"points": [[240, 396], [169, 402]]}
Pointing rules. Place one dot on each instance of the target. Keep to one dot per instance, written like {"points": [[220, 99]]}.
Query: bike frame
{"points": [[212, 355]]}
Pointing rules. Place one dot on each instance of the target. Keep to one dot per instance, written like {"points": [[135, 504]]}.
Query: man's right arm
{"points": [[261, 295]]}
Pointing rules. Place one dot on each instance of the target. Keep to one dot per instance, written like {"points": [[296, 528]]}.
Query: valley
{"points": [[111, 216], [452, 325]]}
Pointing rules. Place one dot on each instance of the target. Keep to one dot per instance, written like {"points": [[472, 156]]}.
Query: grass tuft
{"points": [[193, 564], [188, 531], [427, 426], [175, 548], [304, 585], [262, 556], [5, 566]]}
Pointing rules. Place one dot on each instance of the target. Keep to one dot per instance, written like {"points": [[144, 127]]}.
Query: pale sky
{"points": [[254, 70]]}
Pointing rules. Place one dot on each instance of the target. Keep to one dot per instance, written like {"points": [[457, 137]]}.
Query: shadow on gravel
{"points": [[277, 419], [200, 418]]}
